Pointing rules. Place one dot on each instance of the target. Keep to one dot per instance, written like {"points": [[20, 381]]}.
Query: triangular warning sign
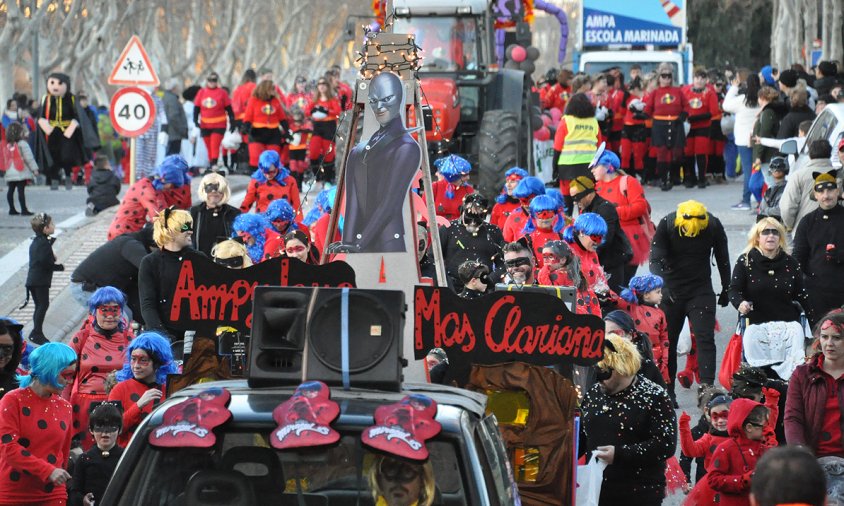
{"points": [[133, 68]]}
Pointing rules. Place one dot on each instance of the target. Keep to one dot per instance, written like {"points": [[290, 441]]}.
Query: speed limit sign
{"points": [[132, 111]]}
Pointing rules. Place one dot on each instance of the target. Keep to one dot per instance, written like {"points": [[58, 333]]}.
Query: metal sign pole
{"points": [[132, 155]]}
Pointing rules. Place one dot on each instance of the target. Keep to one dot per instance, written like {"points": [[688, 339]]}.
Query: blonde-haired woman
{"points": [[629, 422], [159, 271], [766, 279], [213, 216], [231, 254]]}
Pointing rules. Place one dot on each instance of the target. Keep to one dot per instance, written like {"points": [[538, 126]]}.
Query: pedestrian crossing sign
{"points": [[133, 68]]}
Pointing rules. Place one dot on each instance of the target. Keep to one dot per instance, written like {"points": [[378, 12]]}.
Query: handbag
{"points": [[732, 357], [648, 227], [589, 480]]}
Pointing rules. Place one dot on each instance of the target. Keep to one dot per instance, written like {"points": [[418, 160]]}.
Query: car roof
{"points": [[467, 400]]}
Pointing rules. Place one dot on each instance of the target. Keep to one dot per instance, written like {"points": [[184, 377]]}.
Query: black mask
{"points": [[516, 262], [602, 374], [231, 263]]}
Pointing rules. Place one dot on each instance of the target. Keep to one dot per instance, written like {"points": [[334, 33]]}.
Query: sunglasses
{"points": [[545, 215], [6, 350], [398, 472], [694, 217], [721, 415], [516, 262], [770, 231], [212, 187], [321, 83], [109, 310], [666, 76], [141, 360], [231, 263], [291, 250]]}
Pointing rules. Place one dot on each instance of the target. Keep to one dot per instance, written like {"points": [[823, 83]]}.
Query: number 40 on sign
{"points": [[132, 111]]}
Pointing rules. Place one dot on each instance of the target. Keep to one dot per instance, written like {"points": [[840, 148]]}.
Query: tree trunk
{"points": [[810, 29], [7, 70], [836, 51], [826, 31]]}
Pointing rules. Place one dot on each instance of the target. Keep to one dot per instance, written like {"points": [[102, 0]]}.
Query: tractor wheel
{"points": [[498, 150]]}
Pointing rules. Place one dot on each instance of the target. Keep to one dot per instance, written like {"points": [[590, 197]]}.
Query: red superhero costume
{"points": [[261, 194], [704, 447], [616, 105], [262, 120], [627, 194], [716, 163], [240, 97], [301, 101], [141, 203], [555, 96], [100, 355], [587, 302], [322, 140], [128, 393], [298, 148], [634, 137], [703, 105], [449, 208], [34, 440], [668, 107], [212, 107]]}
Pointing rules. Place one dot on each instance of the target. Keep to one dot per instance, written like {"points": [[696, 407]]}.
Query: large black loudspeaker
{"points": [[298, 334]]}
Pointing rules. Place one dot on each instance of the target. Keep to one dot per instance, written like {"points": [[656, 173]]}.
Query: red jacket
{"points": [[650, 320], [632, 207], [805, 404], [449, 208], [554, 96], [264, 193], [128, 392]]}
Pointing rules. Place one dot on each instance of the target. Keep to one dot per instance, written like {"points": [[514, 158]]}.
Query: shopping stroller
{"points": [[777, 347]]}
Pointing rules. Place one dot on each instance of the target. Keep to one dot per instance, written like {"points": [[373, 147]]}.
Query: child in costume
{"points": [[704, 395], [39, 277], [20, 167], [148, 361], [100, 345], [641, 300], [450, 191], [561, 267], [35, 427], [525, 191], [282, 219], [95, 467], [300, 131], [713, 430], [58, 142], [103, 187], [506, 203], [272, 181], [583, 237], [544, 224]]}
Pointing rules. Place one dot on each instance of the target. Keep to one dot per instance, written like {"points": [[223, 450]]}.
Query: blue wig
{"points": [[543, 203], [280, 209], [529, 187], [174, 169], [256, 226], [268, 160], [586, 223], [515, 171], [609, 160], [46, 363], [558, 195], [452, 168], [108, 295], [322, 205], [639, 286], [158, 348]]}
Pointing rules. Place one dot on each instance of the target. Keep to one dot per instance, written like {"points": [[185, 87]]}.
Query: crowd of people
{"points": [[591, 231]]}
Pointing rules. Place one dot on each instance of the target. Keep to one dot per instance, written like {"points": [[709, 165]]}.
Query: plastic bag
{"points": [[684, 341], [589, 480]]}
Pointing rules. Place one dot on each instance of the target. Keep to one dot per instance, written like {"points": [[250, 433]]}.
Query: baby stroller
{"points": [[778, 347]]}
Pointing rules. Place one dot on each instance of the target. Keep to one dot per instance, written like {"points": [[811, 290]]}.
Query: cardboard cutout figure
{"points": [[379, 172], [59, 139], [191, 423], [402, 428], [304, 419]]}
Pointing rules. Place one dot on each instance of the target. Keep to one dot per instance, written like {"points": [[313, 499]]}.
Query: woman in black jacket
{"points": [[798, 113], [212, 217], [766, 279], [11, 350]]}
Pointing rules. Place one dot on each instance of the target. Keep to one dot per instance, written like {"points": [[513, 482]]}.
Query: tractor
{"points": [[471, 105]]}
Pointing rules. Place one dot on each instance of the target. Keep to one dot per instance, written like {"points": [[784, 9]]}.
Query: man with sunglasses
{"points": [[615, 250], [819, 247], [470, 237]]}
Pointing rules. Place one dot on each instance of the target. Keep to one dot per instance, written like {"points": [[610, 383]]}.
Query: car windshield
{"points": [[449, 43], [821, 129], [243, 466]]}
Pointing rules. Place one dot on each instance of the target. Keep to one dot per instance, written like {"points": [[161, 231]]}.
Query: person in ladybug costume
{"points": [[544, 224], [703, 106], [506, 203], [213, 108], [174, 182], [251, 230], [272, 181], [450, 191], [58, 142], [525, 191], [282, 219]]}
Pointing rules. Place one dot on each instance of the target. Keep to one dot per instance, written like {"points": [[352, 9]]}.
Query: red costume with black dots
{"points": [[502, 211], [128, 393], [449, 208], [140, 204], [537, 240], [587, 302], [262, 194], [34, 440], [650, 320], [100, 353], [590, 266], [179, 197], [513, 226]]}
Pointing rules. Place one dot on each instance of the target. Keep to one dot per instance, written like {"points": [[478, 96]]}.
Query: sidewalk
{"points": [[79, 237]]}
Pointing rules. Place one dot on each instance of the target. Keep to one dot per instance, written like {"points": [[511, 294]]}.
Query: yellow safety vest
{"points": [[581, 140]]}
